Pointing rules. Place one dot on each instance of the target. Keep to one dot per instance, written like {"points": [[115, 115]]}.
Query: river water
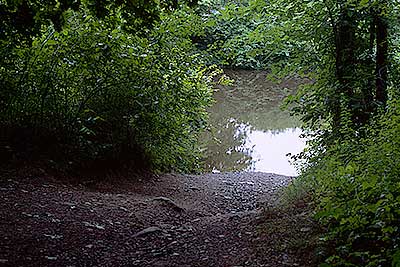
{"points": [[248, 130]]}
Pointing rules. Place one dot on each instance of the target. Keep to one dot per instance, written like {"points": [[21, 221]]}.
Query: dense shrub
{"points": [[357, 185], [106, 93]]}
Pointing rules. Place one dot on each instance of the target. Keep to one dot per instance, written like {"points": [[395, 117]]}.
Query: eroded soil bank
{"points": [[229, 219]]}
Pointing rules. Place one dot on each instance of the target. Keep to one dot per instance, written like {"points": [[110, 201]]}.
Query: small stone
{"points": [[94, 225], [173, 243], [305, 229], [68, 203], [53, 236], [194, 188], [149, 230], [170, 202]]}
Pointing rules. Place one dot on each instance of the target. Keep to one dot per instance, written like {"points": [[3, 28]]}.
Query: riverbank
{"points": [[227, 219]]}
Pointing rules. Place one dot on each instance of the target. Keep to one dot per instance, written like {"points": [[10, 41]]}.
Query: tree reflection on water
{"points": [[248, 130]]}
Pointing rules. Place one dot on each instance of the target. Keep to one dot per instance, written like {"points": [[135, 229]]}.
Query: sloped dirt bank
{"points": [[229, 219]]}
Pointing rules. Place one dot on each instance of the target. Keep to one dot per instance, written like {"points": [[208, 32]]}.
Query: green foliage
{"points": [[243, 34], [357, 186], [345, 77], [351, 164], [105, 91], [28, 16]]}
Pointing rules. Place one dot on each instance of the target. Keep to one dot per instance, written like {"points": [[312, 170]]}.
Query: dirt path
{"points": [[174, 220]]}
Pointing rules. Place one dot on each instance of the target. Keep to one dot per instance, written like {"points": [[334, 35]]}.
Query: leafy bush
{"points": [[357, 186], [243, 35], [107, 93]]}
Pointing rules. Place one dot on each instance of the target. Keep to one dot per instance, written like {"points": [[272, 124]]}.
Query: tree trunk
{"points": [[368, 91], [381, 59], [345, 45]]}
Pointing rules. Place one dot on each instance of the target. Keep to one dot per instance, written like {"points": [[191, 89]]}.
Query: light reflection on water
{"points": [[270, 149], [249, 131]]}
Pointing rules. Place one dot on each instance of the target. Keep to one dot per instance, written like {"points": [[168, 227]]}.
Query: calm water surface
{"points": [[249, 131]]}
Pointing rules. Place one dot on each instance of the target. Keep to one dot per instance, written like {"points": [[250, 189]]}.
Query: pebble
{"points": [[149, 230], [124, 209], [305, 229], [182, 230]]}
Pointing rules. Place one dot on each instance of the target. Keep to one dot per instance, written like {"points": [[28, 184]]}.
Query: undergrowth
{"points": [[97, 92], [355, 184]]}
